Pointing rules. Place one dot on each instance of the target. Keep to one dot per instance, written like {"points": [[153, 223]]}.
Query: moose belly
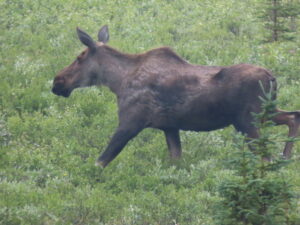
{"points": [[194, 115], [192, 122], [205, 120], [198, 124]]}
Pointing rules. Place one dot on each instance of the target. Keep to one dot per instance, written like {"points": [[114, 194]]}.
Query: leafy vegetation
{"points": [[49, 144]]}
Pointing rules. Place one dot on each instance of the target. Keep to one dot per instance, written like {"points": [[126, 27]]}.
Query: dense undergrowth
{"points": [[49, 144]]}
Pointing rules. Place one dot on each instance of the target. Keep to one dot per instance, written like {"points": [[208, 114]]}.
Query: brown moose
{"points": [[159, 89]]}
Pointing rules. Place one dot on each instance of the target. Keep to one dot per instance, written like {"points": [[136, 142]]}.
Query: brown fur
{"points": [[159, 89]]}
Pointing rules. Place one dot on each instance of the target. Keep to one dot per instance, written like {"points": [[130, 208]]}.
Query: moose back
{"points": [[159, 89]]}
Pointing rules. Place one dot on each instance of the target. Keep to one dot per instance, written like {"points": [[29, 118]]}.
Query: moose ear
{"points": [[103, 35], [86, 39]]}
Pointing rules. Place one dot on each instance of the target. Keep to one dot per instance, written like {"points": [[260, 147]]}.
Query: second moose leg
{"points": [[173, 141], [244, 124], [247, 129]]}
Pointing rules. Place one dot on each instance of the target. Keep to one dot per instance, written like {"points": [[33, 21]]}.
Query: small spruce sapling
{"points": [[258, 193]]}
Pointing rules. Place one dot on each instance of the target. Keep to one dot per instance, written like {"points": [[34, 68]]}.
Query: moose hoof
{"points": [[100, 164]]}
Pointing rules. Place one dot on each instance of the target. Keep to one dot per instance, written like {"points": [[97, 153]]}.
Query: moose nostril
{"points": [[60, 80]]}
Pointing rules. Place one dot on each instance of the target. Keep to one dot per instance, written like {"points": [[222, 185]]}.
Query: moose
{"points": [[159, 89]]}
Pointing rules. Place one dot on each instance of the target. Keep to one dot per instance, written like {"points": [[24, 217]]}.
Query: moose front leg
{"points": [[123, 134], [173, 141]]}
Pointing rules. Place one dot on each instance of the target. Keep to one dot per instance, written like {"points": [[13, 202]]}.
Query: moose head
{"points": [[87, 69]]}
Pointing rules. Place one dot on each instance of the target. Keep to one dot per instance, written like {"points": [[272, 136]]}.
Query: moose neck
{"points": [[116, 66]]}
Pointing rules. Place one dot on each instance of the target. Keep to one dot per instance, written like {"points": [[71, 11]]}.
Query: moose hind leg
{"points": [[292, 120], [251, 132], [173, 142], [247, 128]]}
